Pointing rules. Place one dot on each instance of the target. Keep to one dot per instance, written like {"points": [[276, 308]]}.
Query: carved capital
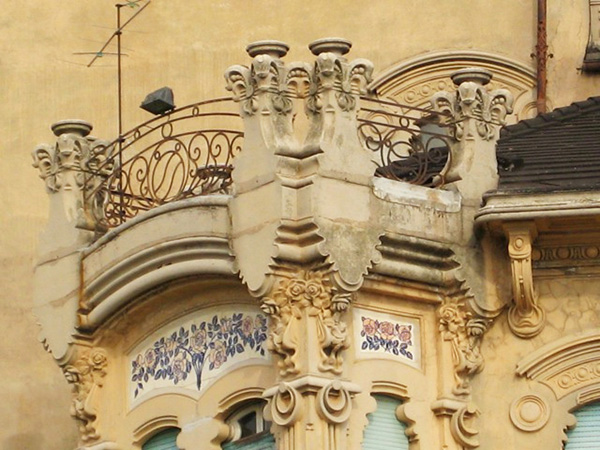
{"points": [[310, 408], [475, 110], [77, 167], [525, 317], [333, 74], [465, 332], [304, 306], [86, 376]]}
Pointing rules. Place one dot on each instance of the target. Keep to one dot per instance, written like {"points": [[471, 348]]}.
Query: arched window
{"points": [[385, 431], [249, 430], [165, 440], [586, 434]]}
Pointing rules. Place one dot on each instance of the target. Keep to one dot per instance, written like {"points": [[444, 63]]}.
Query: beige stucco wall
{"points": [[187, 45]]}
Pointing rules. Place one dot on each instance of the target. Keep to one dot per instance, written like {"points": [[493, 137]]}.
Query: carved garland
{"points": [[86, 376], [308, 294]]}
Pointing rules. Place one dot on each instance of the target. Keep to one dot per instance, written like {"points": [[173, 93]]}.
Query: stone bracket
{"points": [[460, 415], [525, 317]]}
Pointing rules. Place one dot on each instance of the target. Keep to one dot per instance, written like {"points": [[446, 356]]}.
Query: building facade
{"points": [[337, 255]]}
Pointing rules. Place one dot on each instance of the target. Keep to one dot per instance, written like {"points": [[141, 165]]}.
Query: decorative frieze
{"points": [[307, 303], [549, 256], [465, 332], [86, 376]]}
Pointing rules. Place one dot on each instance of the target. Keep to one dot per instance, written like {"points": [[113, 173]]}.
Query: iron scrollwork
{"points": [[410, 144], [185, 153]]}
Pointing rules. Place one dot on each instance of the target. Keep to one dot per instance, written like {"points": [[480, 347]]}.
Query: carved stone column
{"points": [[476, 117], [525, 317], [291, 240]]}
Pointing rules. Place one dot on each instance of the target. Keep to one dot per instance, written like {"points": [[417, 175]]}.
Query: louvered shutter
{"points": [[385, 431], [165, 440], [265, 442], [586, 434]]}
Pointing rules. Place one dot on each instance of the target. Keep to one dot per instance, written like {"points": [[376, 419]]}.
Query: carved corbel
{"points": [[76, 168], [525, 317], [460, 416], [86, 376], [464, 332], [306, 306]]}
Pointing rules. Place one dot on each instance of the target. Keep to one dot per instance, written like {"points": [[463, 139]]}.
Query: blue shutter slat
{"points": [[384, 430], [586, 434], [165, 440]]}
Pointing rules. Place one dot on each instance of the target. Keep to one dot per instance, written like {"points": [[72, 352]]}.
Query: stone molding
{"points": [[566, 365], [74, 167], [414, 80], [526, 318]]}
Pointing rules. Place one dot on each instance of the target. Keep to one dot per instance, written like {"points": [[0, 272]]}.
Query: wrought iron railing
{"points": [[409, 144], [185, 153]]}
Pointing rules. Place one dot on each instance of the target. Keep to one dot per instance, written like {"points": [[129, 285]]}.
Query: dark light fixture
{"points": [[159, 101]]}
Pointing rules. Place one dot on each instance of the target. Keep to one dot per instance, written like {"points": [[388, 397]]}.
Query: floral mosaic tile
{"points": [[388, 336], [189, 353]]}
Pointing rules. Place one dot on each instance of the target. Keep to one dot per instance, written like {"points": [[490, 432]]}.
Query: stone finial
{"points": [[76, 168], [474, 116], [473, 101]]}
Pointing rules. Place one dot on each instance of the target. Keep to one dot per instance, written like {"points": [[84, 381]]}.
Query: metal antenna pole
{"points": [[119, 32]]}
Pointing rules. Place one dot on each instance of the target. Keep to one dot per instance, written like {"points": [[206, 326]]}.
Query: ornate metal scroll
{"points": [[185, 153], [410, 144]]}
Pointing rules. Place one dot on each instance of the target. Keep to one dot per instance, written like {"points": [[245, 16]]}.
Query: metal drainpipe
{"points": [[541, 53]]}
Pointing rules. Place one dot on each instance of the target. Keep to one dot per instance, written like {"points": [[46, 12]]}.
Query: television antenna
{"points": [[141, 4]]}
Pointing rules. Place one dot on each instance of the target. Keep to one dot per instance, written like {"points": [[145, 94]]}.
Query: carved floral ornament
{"points": [[465, 333], [86, 376], [472, 100], [267, 74], [295, 304], [77, 164]]}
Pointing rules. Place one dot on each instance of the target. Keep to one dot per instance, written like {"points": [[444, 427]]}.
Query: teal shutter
{"points": [[586, 434], [165, 440], [256, 442], [385, 431]]}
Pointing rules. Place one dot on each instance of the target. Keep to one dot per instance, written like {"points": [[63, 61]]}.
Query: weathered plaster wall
{"points": [[187, 46], [571, 304]]}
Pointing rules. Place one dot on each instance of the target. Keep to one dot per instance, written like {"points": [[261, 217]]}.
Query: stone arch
{"points": [[413, 81]]}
